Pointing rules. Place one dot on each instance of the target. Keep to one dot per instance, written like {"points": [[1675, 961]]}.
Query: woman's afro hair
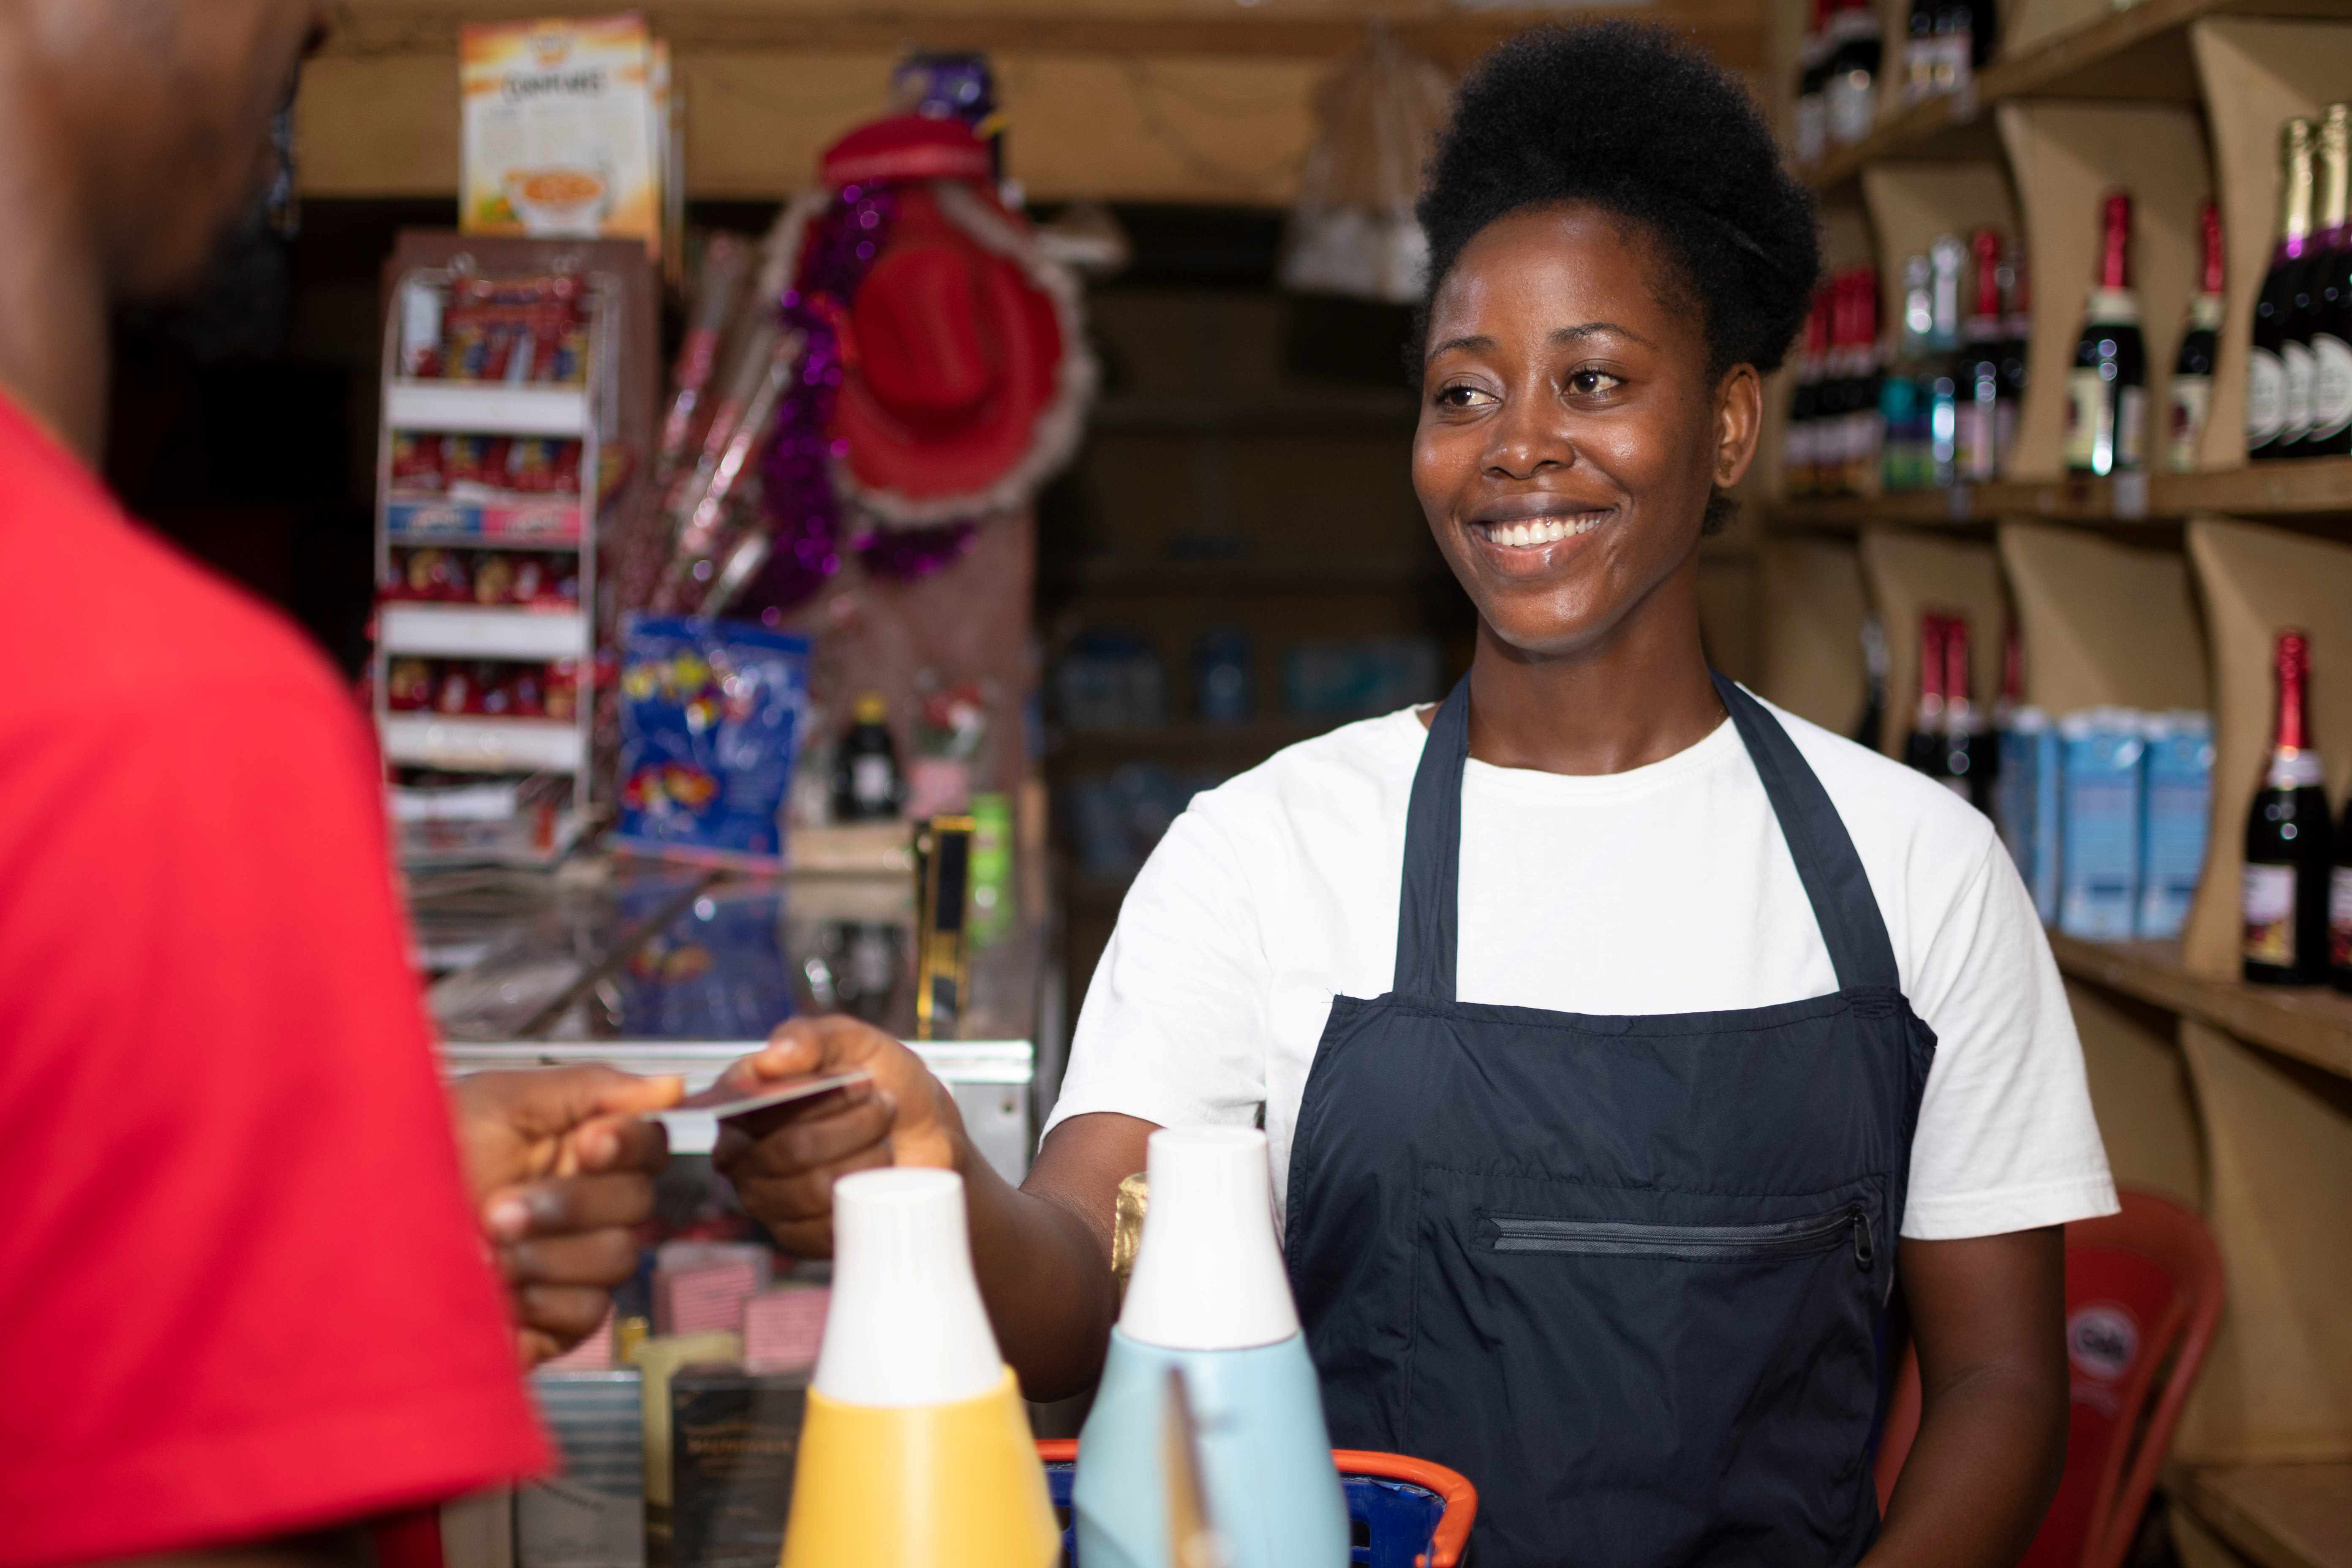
{"points": [[1628, 118]]}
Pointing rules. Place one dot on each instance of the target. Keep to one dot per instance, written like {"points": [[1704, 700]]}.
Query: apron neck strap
{"points": [[1428, 912]]}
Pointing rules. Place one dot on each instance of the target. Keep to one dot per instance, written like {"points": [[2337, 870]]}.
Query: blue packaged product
{"points": [[2179, 801], [2026, 805], [2099, 828], [710, 717]]}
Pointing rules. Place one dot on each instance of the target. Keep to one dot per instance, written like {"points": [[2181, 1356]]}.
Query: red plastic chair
{"points": [[2143, 1298]]}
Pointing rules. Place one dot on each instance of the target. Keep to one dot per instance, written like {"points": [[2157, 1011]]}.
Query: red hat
{"points": [[965, 374]]}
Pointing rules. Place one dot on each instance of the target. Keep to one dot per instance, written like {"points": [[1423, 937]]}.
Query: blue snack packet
{"points": [[710, 722]]}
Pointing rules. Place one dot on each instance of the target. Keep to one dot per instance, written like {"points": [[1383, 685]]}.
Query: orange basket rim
{"points": [[1454, 1488]]}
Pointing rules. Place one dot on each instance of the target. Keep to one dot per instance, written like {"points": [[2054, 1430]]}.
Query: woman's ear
{"points": [[1738, 423]]}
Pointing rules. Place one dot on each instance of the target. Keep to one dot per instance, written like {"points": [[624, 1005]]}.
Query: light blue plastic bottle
{"points": [[1208, 1298]]}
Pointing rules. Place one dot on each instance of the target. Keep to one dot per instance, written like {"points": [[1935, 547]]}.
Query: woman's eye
{"points": [[1592, 382], [1458, 397]]}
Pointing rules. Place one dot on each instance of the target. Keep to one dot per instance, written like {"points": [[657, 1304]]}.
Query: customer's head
{"points": [[148, 119], [1616, 255]]}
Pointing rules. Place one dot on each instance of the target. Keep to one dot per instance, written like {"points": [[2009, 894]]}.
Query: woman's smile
{"points": [[1530, 535]]}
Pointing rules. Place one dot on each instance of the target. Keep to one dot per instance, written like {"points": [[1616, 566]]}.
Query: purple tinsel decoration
{"points": [[802, 507]]}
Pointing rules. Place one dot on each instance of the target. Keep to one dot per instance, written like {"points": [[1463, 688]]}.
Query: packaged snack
{"points": [[557, 130], [711, 714], [494, 689], [530, 581], [415, 463], [455, 692], [433, 574], [420, 329], [494, 579], [563, 689], [527, 692], [408, 685]]}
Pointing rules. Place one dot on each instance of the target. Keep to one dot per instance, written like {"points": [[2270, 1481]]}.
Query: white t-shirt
{"points": [[1667, 889]]}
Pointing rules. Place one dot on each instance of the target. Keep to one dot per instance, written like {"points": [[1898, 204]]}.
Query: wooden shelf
{"points": [[2311, 1025], [2280, 1516], [2139, 55], [2315, 487]]}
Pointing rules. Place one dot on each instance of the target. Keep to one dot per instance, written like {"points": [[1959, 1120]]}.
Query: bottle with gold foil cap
{"points": [[2325, 303], [2269, 397]]}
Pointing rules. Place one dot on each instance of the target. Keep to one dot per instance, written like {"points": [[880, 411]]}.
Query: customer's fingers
{"points": [[568, 1313], [620, 1143], [602, 1258], [568, 1205]]}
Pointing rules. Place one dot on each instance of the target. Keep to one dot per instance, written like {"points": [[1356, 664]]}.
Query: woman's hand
{"points": [[560, 1170], [784, 1160]]}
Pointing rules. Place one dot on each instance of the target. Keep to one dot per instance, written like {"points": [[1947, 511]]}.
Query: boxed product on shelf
{"points": [[561, 133], [2179, 799], [2027, 805], [438, 574], [2099, 836], [711, 712]]}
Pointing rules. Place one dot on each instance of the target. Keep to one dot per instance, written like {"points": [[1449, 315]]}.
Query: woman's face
{"points": [[1569, 434]]}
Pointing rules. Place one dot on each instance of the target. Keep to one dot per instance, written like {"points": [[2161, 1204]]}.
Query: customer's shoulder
{"points": [[98, 614]]}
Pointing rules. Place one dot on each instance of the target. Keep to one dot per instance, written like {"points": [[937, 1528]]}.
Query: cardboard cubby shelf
{"points": [[1810, 606], [2102, 623], [1910, 574]]}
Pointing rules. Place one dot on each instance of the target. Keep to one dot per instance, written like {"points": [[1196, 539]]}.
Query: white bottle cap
{"points": [[1208, 1276], [906, 1326]]}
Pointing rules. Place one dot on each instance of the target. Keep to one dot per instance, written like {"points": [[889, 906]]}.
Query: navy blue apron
{"points": [[1627, 1275]]}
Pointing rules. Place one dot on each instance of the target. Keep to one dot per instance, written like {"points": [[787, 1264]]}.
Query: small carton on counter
{"points": [[735, 1436], [558, 129]]}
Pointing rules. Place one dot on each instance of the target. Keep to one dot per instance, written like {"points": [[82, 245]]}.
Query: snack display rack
{"points": [[549, 732]]}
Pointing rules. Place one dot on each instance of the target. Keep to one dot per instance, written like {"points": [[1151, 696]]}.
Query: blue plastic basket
{"points": [[1394, 1521]]}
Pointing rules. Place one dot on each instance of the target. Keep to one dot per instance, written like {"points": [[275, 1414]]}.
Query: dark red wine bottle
{"points": [[1967, 770], [1923, 748], [2340, 908], [2324, 300], [2269, 427], [2106, 392], [2289, 852], [2191, 392]]}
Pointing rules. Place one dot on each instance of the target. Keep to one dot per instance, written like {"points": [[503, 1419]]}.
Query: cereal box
{"points": [[558, 129]]}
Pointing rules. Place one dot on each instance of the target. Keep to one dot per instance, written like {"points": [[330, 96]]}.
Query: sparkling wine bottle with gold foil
{"points": [[2289, 849]]}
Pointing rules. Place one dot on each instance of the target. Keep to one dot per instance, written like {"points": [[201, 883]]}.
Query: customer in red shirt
{"points": [[243, 1286]]}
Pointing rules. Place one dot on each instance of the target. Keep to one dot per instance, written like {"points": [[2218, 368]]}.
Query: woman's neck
{"points": [[1638, 695]]}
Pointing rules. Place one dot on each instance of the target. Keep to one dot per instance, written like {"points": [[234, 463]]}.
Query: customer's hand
{"points": [[784, 1160], [561, 1174]]}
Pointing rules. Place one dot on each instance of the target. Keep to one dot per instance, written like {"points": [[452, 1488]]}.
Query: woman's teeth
{"points": [[1538, 531]]}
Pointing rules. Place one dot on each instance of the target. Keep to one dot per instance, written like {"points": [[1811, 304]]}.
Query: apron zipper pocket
{"points": [[1691, 1243]]}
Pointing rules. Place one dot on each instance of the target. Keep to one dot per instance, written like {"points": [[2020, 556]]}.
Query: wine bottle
{"points": [[2268, 394], [1809, 125], [2340, 908], [1923, 748], [1902, 395], [866, 785], [1956, 30], [1976, 428], [1923, 55], [1866, 430], [2285, 895], [2017, 333], [1801, 442], [1968, 762], [2106, 392], [2325, 301], [1850, 96], [1939, 377], [2192, 369]]}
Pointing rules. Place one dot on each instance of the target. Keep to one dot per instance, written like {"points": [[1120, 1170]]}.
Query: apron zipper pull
{"points": [[1863, 1251]]}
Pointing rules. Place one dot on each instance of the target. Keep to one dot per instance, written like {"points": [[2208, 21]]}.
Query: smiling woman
{"points": [[1619, 1040]]}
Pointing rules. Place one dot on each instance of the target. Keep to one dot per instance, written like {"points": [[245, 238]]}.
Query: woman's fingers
{"points": [[798, 1208], [566, 1313], [599, 1260], [805, 1143], [568, 1205]]}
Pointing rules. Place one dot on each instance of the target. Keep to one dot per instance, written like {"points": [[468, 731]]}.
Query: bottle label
{"points": [[2265, 397], [2296, 357], [1812, 127], [2268, 904], [1973, 451], [1849, 101], [2192, 399], [2090, 428], [871, 781], [2131, 426], [2331, 385], [2339, 918]]}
